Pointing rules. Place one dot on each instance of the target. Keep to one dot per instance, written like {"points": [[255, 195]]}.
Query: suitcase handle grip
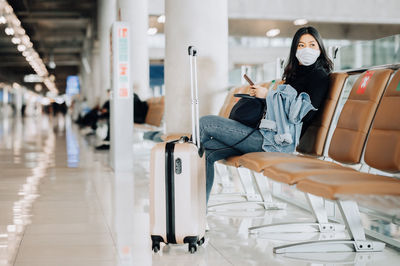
{"points": [[192, 50]]}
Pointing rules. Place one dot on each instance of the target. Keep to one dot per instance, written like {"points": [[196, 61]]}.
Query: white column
{"points": [[135, 13], [203, 24], [121, 103], [107, 15]]}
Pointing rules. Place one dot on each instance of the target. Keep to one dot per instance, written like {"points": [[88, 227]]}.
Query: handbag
{"points": [[249, 110]]}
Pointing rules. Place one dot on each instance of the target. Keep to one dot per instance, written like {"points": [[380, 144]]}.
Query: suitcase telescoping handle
{"points": [[195, 96]]}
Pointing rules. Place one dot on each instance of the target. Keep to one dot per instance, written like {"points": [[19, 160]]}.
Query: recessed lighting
{"points": [[300, 21], [152, 31], [52, 65], [161, 19], [21, 47], [3, 20], [16, 40], [9, 31], [273, 32]]}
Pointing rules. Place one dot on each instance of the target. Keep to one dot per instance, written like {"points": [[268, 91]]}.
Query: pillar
{"points": [[135, 13], [203, 24], [107, 16]]}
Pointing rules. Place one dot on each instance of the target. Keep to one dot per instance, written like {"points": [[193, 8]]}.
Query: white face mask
{"points": [[307, 56]]}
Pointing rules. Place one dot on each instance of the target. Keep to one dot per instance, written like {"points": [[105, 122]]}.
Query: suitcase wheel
{"points": [[155, 243], [200, 242], [156, 247], [192, 248]]}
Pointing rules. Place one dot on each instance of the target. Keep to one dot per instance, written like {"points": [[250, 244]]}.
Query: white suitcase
{"points": [[178, 184]]}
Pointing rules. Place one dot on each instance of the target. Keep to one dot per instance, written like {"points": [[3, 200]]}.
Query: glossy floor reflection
{"points": [[60, 204]]}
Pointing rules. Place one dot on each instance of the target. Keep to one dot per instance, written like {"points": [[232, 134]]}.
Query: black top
{"points": [[314, 80]]}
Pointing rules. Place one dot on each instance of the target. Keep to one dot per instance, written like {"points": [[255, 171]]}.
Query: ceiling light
{"points": [[21, 47], [3, 20], [152, 31], [24, 44], [38, 87], [161, 19], [300, 21], [273, 32], [52, 65], [16, 40], [9, 31]]}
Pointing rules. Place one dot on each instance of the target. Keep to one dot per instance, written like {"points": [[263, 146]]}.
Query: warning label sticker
{"points": [[364, 82]]}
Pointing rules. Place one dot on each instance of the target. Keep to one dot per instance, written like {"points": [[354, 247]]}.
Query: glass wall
{"points": [[369, 53]]}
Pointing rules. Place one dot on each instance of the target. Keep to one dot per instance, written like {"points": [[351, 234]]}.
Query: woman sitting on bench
{"points": [[307, 71]]}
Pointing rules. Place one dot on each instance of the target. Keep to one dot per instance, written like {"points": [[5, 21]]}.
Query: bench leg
{"points": [[358, 242], [265, 192], [227, 178], [251, 193], [321, 225]]}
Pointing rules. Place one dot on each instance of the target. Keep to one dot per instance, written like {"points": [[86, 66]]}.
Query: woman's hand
{"points": [[258, 91]]}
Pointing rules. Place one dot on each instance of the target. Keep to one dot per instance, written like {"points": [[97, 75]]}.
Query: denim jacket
{"points": [[282, 124]]}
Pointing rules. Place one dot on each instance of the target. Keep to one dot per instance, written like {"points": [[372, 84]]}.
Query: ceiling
{"points": [[58, 30], [63, 30]]}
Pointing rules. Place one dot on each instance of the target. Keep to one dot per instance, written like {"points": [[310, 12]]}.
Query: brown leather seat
{"points": [[291, 173], [232, 161], [313, 141], [155, 112], [258, 161], [332, 185], [350, 133], [382, 152]]}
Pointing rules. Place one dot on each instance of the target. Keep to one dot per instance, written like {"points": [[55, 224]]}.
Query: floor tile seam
{"points": [[220, 253], [19, 248]]}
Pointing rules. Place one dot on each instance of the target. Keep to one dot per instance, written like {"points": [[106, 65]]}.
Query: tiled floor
{"points": [[60, 204]]}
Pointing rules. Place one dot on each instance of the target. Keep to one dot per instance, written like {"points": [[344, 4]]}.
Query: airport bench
{"points": [[345, 147], [382, 152], [155, 114]]}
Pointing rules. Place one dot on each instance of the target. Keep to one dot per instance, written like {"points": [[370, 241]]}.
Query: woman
{"points": [[307, 71]]}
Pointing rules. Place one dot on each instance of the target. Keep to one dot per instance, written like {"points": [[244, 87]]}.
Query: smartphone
{"points": [[248, 79]]}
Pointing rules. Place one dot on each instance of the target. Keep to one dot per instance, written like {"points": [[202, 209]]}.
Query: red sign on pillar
{"points": [[123, 62]]}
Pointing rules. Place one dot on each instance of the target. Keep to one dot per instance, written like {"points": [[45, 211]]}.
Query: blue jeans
{"points": [[218, 134]]}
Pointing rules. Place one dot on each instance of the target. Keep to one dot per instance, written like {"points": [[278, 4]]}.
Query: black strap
{"points": [[170, 192]]}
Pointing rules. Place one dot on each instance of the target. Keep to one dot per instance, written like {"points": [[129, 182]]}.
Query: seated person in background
{"points": [[307, 72], [140, 109]]}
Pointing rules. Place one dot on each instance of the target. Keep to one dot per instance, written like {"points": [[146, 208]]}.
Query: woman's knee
{"points": [[207, 119]]}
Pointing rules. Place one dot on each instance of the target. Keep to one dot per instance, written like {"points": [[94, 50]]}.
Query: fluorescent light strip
{"points": [[24, 43]]}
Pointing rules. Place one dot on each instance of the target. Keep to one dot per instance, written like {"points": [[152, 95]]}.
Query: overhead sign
{"points": [[72, 85], [33, 78]]}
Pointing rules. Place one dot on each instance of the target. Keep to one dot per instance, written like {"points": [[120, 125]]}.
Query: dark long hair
{"points": [[292, 65]]}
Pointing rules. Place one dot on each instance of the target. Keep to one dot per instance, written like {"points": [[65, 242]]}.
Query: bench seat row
{"points": [[367, 134]]}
